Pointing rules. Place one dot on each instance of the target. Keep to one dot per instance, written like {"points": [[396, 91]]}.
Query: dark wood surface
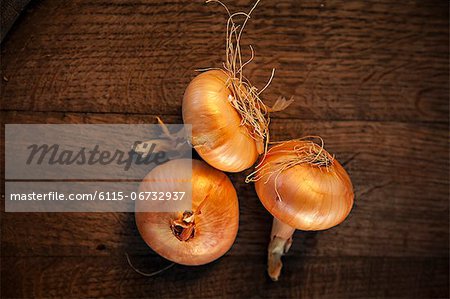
{"points": [[370, 77]]}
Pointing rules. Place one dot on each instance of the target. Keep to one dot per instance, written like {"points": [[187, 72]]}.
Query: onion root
{"points": [[147, 274]]}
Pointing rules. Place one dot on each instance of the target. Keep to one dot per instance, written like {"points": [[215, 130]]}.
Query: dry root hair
{"points": [[246, 100], [305, 152]]}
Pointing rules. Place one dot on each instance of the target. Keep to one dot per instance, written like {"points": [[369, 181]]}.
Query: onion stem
{"points": [[280, 242]]}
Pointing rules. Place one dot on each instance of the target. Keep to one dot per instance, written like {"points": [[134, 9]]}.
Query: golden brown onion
{"points": [[217, 133], [303, 187], [230, 122], [193, 237], [312, 197]]}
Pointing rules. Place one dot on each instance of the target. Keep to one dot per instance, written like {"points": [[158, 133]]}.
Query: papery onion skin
{"points": [[215, 227], [312, 197], [217, 133]]}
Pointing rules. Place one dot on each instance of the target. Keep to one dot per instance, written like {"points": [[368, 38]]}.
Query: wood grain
{"points": [[367, 60], [400, 210], [230, 277], [370, 77]]}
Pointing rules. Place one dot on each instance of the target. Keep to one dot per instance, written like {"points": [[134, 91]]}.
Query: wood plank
{"points": [[400, 176], [230, 277], [342, 60], [371, 77]]}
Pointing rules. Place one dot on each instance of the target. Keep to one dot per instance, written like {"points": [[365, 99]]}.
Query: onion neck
{"points": [[184, 227], [280, 242]]}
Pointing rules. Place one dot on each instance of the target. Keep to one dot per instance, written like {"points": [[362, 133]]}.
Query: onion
{"points": [[196, 236], [229, 120], [217, 133], [303, 187]]}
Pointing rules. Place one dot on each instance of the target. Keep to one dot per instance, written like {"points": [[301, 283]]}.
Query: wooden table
{"points": [[370, 77]]}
